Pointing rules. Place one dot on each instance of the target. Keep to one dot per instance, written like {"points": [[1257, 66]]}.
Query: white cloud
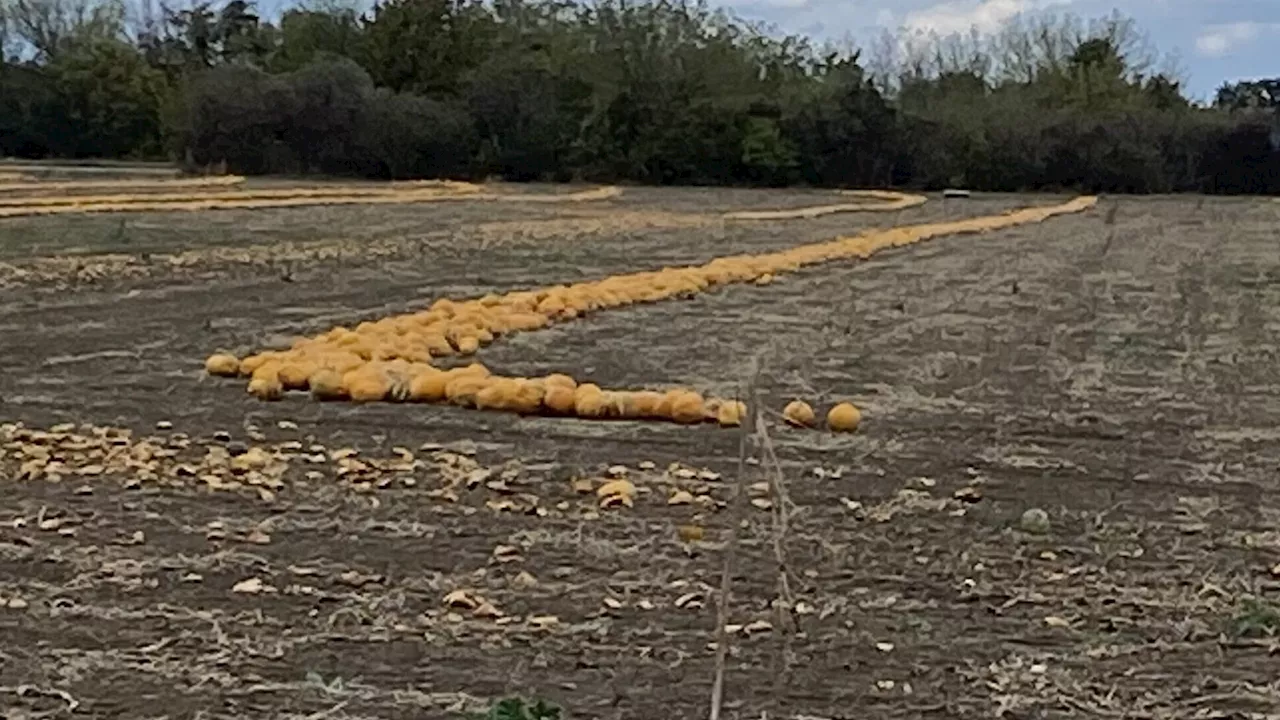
{"points": [[1219, 40], [961, 16]]}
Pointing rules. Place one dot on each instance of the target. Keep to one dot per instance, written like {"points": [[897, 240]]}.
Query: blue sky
{"points": [[1211, 40]]}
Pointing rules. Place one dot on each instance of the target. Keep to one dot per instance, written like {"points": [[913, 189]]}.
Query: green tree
{"points": [[426, 46], [110, 99], [845, 131], [320, 34]]}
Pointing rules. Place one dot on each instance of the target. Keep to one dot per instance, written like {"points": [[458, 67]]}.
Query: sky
{"points": [[1211, 41]]}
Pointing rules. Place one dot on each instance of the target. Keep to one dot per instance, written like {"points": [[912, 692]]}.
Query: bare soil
{"points": [[1116, 369]]}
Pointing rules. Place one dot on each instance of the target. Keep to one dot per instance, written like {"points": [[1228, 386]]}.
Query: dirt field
{"points": [[1116, 369]]}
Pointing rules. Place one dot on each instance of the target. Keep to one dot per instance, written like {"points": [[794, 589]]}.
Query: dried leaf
{"points": [[612, 500], [353, 578], [758, 626], [506, 553], [251, 586], [689, 600], [680, 497], [762, 503], [460, 599], [690, 533], [255, 458], [487, 610], [1056, 622], [616, 487]]}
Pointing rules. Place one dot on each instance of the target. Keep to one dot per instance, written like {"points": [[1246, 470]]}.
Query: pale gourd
{"points": [[559, 400], [222, 365], [266, 387], [429, 386], [687, 408], [844, 417], [326, 384], [731, 413], [367, 384], [462, 390], [798, 413]]}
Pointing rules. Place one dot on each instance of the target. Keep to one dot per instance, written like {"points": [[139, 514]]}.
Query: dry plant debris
{"points": [[889, 201], [392, 359], [290, 197], [11, 184], [70, 453], [336, 191]]}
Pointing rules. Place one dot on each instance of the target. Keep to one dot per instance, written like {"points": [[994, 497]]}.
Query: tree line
{"points": [[652, 91]]}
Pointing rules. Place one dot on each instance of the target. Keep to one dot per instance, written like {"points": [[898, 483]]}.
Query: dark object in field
{"points": [[956, 193]]}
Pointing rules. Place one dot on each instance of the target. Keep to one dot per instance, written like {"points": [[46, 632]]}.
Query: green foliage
{"points": [[658, 91], [110, 97], [425, 46], [317, 35], [1255, 618], [520, 709], [324, 118], [767, 156]]}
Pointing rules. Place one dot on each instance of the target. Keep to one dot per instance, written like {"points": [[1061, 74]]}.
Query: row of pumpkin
{"points": [[392, 359], [475, 386]]}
